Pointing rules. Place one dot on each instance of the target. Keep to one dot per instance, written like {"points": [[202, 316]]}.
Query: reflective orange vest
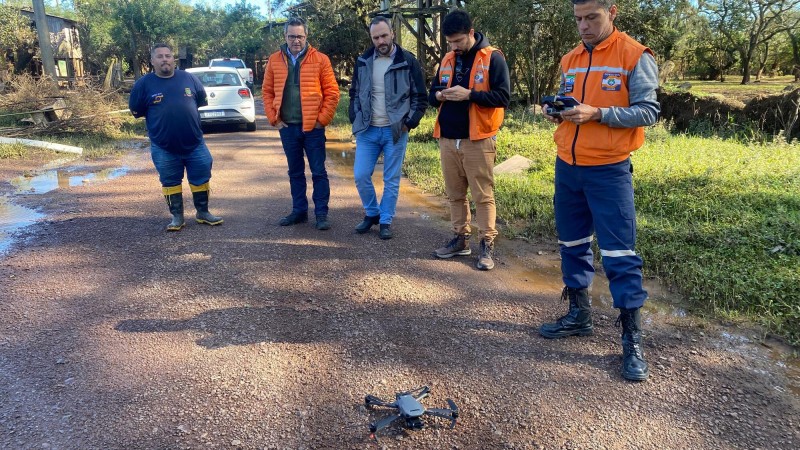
{"points": [[599, 79], [483, 121]]}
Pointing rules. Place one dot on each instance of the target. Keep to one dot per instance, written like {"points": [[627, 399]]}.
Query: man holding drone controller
{"points": [[614, 79]]}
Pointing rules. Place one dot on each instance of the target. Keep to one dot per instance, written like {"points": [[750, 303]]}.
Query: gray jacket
{"points": [[406, 97]]}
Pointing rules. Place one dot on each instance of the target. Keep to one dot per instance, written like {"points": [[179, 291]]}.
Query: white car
{"points": [[236, 63], [230, 101]]}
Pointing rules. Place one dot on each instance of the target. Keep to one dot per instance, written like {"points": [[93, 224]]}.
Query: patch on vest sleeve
{"points": [[569, 83], [612, 81]]}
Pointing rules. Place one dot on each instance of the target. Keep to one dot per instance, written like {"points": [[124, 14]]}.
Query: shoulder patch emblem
{"points": [[569, 83], [188, 92]]}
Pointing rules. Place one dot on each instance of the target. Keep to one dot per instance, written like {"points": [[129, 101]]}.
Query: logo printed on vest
{"points": [[479, 77], [445, 78], [612, 81], [569, 83]]}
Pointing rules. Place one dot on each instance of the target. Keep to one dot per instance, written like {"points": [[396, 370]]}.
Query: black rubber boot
{"points": [[175, 203], [577, 321], [201, 205], [634, 367]]}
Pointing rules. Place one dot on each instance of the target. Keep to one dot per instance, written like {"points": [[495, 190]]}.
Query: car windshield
{"points": [[235, 63], [212, 79]]}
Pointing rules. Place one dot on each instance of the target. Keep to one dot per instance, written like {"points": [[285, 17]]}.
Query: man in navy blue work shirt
{"points": [[168, 100]]}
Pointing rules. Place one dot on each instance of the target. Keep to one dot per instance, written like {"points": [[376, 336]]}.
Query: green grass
{"points": [[13, 151], [718, 220]]}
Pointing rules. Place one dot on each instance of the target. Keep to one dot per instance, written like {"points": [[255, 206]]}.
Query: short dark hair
{"points": [[157, 46], [456, 22], [294, 22], [378, 19], [606, 4]]}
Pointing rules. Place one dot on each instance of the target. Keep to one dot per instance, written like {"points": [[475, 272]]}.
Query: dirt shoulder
{"points": [[115, 334]]}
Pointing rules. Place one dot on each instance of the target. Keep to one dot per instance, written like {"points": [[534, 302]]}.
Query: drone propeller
{"points": [[451, 413], [418, 393], [371, 400], [381, 424]]}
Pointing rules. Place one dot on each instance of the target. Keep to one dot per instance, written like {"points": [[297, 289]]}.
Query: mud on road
{"points": [[115, 334]]}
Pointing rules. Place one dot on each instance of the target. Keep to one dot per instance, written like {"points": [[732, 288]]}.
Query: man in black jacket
{"points": [[387, 99], [472, 90]]}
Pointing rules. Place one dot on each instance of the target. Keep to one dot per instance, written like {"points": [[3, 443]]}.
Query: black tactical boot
{"points": [[175, 203], [634, 367], [368, 222], [485, 261], [458, 246], [577, 321], [200, 196]]}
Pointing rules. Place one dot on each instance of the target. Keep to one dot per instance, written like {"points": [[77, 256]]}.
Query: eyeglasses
{"points": [[295, 37]]}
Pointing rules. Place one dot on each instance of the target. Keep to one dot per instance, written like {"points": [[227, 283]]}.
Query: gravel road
{"points": [[117, 335]]}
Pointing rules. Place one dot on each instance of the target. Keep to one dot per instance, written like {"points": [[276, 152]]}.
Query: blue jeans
{"points": [[295, 141], [599, 200], [370, 143], [170, 166]]}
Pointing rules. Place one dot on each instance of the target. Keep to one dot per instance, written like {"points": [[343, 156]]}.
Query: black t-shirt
{"points": [[169, 106]]}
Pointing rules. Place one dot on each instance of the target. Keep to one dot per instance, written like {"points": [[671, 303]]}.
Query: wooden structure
{"points": [[66, 44], [423, 19]]}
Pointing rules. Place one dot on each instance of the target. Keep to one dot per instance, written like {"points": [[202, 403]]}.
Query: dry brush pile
{"points": [[35, 106]]}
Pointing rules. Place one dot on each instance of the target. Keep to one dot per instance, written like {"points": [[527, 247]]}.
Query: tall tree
{"points": [[17, 39], [747, 25], [132, 26]]}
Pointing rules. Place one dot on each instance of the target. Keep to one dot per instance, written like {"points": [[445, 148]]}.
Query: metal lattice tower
{"points": [[423, 19]]}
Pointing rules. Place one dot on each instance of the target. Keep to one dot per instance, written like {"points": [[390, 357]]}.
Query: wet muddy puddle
{"points": [[14, 217], [63, 179]]}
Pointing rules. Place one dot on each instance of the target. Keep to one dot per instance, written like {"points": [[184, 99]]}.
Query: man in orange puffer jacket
{"points": [[300, 97]]}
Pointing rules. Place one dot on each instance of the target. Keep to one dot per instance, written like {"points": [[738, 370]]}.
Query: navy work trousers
{"points": [[599, 200], [295, 141]]}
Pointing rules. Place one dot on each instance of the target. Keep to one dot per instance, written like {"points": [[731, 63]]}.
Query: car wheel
{"points": [[251, 126]]}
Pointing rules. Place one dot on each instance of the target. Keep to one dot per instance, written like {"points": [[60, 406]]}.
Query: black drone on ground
{"points": [[410, 410]]}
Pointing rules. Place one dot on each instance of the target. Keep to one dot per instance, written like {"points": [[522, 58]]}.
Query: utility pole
{"points": [[45, 47]]}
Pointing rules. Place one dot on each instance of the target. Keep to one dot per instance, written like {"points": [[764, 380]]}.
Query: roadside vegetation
{"points": [[718, 219]]}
